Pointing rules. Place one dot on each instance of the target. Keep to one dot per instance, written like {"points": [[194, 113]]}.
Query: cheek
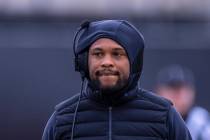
{"points": [[126, 69]]}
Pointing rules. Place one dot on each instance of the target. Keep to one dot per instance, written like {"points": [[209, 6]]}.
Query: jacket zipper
{"points": [[110, 123]]}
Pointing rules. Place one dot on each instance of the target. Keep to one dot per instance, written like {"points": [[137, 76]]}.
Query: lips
{"points": [[106, 73]]}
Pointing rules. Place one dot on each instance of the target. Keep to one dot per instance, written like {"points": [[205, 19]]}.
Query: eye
{"points": [[118, 54], [97, 54]]}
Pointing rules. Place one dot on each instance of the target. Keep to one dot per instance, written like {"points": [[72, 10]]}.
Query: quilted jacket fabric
{"points": [[137, 115]]}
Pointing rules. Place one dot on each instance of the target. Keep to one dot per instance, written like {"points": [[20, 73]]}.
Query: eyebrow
{"points": [[119, 49], [96, 49], [114, 49]]}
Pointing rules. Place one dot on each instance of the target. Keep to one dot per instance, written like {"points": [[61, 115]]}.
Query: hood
{"points": [[123, 33]]}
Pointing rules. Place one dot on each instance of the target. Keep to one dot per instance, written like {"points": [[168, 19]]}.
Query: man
{"points": [[176, 83], [109, 56]]}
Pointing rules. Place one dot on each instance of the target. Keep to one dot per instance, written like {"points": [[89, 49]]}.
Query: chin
{"points": [[107, 84]]}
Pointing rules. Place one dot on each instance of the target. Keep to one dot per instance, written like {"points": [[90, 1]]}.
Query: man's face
{"points": [[108, 65], [182, 97]]}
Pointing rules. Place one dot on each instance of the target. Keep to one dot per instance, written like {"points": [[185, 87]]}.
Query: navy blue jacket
{"points": [[136, 115]]}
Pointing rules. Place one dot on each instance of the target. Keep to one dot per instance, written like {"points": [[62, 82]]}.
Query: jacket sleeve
{"points": [[49, 131], [177, 127]]}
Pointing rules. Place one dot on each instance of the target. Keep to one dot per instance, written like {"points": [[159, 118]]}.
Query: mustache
{"points": [[106, 72]]}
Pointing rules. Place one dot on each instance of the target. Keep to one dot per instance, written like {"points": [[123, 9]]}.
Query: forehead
{"points": [[106, 43]]}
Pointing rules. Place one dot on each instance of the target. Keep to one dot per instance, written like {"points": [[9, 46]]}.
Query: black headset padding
{"points": [[80, 60]]}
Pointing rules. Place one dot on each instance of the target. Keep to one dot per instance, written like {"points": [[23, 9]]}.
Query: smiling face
{"points": [[108, 65]]}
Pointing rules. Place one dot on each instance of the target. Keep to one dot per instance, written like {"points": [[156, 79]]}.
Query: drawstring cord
{"points": [[75, 112]]}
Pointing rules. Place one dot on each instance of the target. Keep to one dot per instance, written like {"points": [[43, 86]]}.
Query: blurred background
{"points": [[36, 57]]}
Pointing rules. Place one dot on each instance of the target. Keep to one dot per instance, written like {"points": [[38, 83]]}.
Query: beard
{"points": [[109, 89]]}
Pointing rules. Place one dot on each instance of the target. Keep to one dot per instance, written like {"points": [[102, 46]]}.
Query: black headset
{"points": [[80, 59], [80, 64]]}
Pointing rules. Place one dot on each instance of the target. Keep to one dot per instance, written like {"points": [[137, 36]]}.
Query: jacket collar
{"points": [[110, 99]]}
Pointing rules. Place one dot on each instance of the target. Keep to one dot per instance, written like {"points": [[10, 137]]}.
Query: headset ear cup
{"points": [[76, 64], [80, 60], [81, 64]]}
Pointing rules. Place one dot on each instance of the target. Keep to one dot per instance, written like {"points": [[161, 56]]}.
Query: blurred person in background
{"points": [[111, 106], [176, 83]]}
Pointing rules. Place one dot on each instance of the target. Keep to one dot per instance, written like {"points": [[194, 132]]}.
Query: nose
{"points": [[107, 61]]}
